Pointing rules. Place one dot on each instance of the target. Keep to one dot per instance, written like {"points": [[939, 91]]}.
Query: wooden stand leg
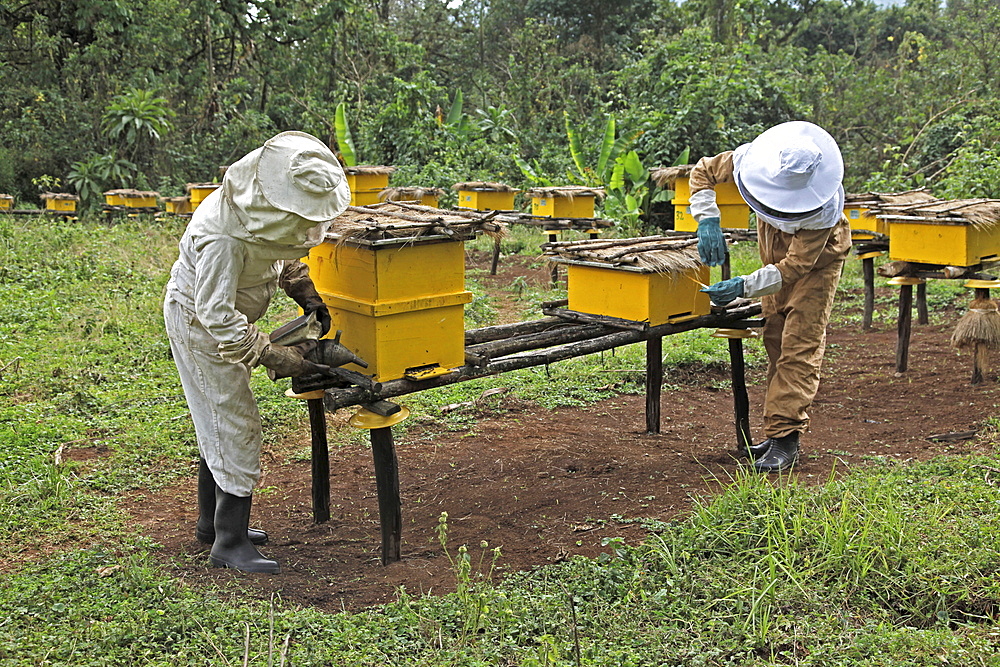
{"points": [[320, 461], [903, 327], [654, 383], [741, 401], [868, 271], [496, 257], [390, 512], [727, 271], [553, 237], [922, 314]]}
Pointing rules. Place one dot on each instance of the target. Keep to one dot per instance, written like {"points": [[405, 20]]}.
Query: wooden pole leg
{"points": [[903, 325], [868, 272], [923, 317], [387, 483], [654, 383], [554, 271], [320, 461], [741, 401], [496, 257]]}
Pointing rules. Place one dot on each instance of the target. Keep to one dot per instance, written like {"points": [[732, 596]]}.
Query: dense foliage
{"points": [[113, 93]]}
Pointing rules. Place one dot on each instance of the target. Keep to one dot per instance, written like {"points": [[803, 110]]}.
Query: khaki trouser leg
{"points": [[795, 340]]}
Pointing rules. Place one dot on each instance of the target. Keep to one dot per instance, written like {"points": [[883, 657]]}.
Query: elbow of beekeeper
{"points": [[791, 177]]}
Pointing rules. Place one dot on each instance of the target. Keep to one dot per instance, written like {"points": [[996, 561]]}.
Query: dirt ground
{"points": [[545, 485]]}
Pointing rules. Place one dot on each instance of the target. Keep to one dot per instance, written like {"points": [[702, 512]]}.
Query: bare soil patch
{"points": [[544, 485]]}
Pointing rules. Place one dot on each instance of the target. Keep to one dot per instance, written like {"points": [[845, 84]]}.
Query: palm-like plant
{"points": [[136, 116]]}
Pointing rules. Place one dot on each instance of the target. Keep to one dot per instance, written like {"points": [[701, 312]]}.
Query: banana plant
{"points": [[345, 141], [609, 151]]}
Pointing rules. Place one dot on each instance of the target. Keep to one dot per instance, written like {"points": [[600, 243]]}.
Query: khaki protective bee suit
{"points": [[243, 242], [802, 263]]}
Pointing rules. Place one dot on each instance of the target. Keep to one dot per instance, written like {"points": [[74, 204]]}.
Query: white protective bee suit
{"points": [[243, 242]]}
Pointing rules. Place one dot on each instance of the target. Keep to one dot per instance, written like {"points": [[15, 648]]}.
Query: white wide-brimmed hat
{"points": [[299, 174], [791, 168]]}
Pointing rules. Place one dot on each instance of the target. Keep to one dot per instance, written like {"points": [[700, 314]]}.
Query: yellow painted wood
{"points": [[578, 206], [197, 193], [114, 199], [400, 307], [54, 204], [429, 200], [860, 221], [388, 273], [6, 202], [365, 197], [361, 182], [486, 200], [394, 344], [644, 297], [734, 216], [145, 200], [725, 193], [948, 245]]}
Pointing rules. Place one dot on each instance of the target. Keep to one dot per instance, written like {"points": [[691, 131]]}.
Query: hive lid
{"points": [[377, 170], [647, 254], [45, 196], [982, 213], [664, 177], [567, 191], [402, 223], [484, 186], [411, 193]]}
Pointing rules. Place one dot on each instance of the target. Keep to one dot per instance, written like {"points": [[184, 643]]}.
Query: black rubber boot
{"points": [[754, 452], [782, 454], [232, 548], [205, 529]]}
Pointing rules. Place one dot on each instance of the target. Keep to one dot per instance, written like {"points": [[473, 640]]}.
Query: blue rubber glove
{"points": [[725, 291], [711, 243]]}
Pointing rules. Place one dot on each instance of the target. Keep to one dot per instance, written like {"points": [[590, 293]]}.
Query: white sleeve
{"points": [[763, 281], [703, 205]]}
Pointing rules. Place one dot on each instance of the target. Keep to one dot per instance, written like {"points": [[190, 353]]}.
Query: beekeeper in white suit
{"points": [[243, 242], [791, 176]]}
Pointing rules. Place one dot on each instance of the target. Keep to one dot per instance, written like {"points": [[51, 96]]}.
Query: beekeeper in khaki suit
{"points": [[791, 177], [243, 242]]}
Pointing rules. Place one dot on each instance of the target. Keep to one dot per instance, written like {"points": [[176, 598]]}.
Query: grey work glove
{"points": [[711, 242], [284, 361], [725, 291]]}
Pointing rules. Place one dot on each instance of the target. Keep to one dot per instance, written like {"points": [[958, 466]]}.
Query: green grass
{"points": [[894, 565]]}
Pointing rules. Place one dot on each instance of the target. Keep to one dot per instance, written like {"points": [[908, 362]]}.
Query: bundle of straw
{"points": [[978, 330]]}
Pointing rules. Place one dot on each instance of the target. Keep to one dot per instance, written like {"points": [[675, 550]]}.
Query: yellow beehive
{"points": [[399, 302], [423, 196], [564, 202], [198, 191], [6, 203], [60, 202], [633, 293], [114, 198], [177, 205], [861, 221], [948, 243], [368, 178], [364, 197], [735, 213], [485, 196]]}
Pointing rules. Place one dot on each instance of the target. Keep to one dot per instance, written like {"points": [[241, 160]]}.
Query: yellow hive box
{"points": [[177, 205], [6, 203], [429, 200], [862, 222], [141, 199], [943, 243], [735, 212], [637, 294], [486, 200], [364, 197], [198, 191], [65, 203], [114, 198], [577, 206], [399, 303], [359, 180]]}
